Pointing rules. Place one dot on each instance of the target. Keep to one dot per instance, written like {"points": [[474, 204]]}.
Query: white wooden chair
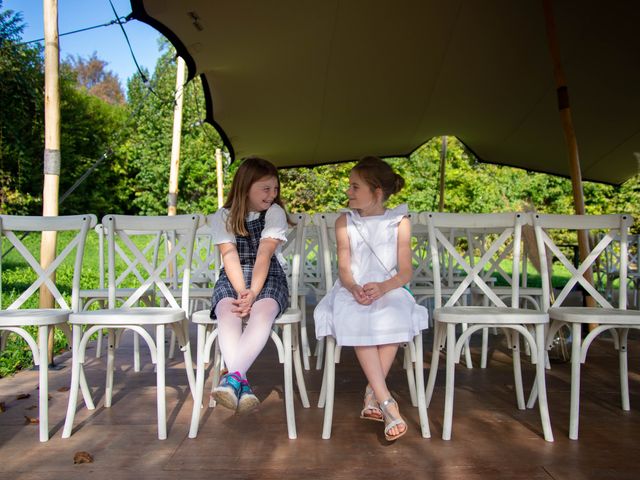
{"points": [[71, 235], [516, 320], [181, 230], [617, 321], [413, 354], [205, 269], [287, 344], [290, 251]]}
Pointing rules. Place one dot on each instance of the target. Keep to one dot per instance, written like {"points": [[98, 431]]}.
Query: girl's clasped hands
{"points": [[368, 293]]}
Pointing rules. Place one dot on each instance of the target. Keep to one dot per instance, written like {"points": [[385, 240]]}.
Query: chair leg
{"points": [[449, 382], [297, 363], [485, 348], [99, 344], [160, 387], [576, 347], [172, 345], [322, 397], [330, 377], [419, 374], [75, 381], [624, 373], [517, 370], [108, 393], [304, 337], [435, 359], [218, 364], [541, 383], [136, 352], [410, 372], [320, 347], [185, 346], [43, 383], [197, 400], [467, 349], [288, 382]]}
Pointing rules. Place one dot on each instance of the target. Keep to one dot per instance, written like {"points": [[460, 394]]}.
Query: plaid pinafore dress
{"points": [[275, 285]]}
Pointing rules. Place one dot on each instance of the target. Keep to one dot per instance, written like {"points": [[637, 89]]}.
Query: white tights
{"points": [[240, 348]]}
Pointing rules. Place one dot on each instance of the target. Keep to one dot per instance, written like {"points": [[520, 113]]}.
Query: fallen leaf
{"points": [[82, 457], [2, 407], [32, 420], [22, 396], [63, 389]]}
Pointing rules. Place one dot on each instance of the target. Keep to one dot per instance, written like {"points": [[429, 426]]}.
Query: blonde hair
{"points": [[250, 171], [379, 174]]}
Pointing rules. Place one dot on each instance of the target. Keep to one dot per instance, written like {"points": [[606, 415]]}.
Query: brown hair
{"points": [[250, 171], [379, 174]]}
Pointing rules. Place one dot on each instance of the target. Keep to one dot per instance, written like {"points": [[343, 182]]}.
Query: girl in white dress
{"points": [[368, 308]]}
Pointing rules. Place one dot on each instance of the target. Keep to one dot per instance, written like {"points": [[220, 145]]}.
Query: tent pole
{"points": [[220, 179], [569, 134], [443, 165], [175, 145], [51, 146]]}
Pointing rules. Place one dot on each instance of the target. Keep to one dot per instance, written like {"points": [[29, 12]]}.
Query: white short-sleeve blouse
{"points": [[275, 226]]}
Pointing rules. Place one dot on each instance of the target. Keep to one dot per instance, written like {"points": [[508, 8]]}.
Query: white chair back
{"points": [[293, 253], [326, 223], [11, 228], [612, 228], [495, 249], [180, 232]]}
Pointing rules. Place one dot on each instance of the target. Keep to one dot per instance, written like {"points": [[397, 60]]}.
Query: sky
{"points": [[108, 42]]}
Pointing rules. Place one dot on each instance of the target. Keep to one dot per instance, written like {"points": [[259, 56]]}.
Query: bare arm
{"points": [[231, 261], [266, 249], [246, 297]]}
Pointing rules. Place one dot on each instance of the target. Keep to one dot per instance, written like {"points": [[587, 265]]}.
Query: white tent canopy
{"points": [[304, 83]]}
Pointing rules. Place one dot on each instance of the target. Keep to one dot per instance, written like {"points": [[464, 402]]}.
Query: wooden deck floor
{"points": [[491, 438]]}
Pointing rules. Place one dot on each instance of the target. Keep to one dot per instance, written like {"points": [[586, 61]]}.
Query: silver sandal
{"points": [[391, 421], [371, 406]]}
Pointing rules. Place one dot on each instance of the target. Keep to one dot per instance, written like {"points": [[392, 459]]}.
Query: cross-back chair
{"points": [[413, 351], [180, 230], [516, 321], [128, 272], [618, 320], [23, 311], [285, 335]]}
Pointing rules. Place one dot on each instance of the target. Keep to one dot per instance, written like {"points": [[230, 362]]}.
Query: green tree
{"points": [[148, 147], [21, 141]]}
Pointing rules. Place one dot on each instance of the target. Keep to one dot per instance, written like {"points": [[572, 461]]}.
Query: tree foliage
{"points": [[92, 75]]}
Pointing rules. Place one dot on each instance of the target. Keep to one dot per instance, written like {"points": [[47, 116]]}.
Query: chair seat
{"points": [[595, 315], [489, 315], [104, 292], [195, 293], [133, 316], [203, 316], [290, 315], [27, 316]]}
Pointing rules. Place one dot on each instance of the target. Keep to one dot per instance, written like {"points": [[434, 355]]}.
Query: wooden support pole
{"points": [[443, 166], [219, 174], [51, 145], [172, 200], [564, 109]]}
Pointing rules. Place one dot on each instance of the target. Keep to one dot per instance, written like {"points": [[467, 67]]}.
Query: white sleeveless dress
{"points": [[393, 318]]}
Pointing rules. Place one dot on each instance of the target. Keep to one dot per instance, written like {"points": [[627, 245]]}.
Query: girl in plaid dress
{"points": [[249, 230]]}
